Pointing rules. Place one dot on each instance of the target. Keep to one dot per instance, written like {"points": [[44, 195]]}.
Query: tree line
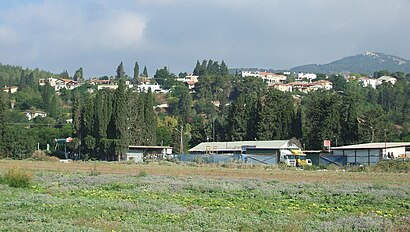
{"points": [[222, 107]]}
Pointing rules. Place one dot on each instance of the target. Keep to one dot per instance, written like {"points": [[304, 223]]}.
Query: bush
{"points": [[393, 166], [42, 156], [17, 178]]}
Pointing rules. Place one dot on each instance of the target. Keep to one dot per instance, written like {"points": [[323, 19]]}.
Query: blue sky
{"points": [[97, 35]]}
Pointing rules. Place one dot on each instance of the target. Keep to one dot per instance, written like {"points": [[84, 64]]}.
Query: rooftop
{"points": [[237, 145], [372, 146]]}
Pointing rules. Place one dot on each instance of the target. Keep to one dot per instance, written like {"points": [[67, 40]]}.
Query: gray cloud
{"points": [[97, 35]]}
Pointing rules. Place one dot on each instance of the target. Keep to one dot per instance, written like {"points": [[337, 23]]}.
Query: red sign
{"points": [[326, 143]]}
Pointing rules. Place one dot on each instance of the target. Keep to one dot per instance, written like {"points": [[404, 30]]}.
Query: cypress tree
{"points": [[145, 72], [2, 124], [149, 119], [136, 72], [120, 72], [197, 68], [120, 120], [78, 76], [236, 127]]}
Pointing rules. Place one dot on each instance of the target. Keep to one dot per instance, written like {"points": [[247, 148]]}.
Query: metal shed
{"points": [[364, 154]]}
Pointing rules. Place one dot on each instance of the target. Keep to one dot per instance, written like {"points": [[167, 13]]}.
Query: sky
{"points": [[97, 35]]}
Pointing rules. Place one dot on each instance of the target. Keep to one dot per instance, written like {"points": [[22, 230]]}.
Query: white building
{"points": [[250, 74], [33, 114], [386, 79], [146, 87], [306, 76]]}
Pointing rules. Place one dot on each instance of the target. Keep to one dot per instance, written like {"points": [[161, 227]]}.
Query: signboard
{"points": [[326, 143], [64, 140]]}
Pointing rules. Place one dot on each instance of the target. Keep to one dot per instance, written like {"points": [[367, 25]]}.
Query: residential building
{"points": [[33, 114], [306, 76], [10, 89], [283, 87]]}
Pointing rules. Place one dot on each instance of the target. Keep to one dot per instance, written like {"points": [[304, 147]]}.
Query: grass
{"points": [[157, 197], [17, 178]]}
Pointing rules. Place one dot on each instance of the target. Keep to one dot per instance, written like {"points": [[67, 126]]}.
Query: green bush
{"points": [[17, 178], [393, 166]]}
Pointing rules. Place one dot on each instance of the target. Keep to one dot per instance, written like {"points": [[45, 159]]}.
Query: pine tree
{"points": [[120, 72]]}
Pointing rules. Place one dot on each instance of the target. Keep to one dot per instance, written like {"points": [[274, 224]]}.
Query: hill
{"points": [[366, 63]]}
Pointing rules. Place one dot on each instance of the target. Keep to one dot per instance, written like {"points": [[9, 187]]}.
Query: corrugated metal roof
{"points": [[149, 147], [372, 146], [236, 146]]}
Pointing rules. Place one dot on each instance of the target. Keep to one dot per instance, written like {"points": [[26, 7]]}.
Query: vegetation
{"points": [[222, 107], [157, 197], [17, 178]]}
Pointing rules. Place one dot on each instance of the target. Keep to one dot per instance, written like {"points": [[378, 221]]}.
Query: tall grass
{"points": [[17, 178]]}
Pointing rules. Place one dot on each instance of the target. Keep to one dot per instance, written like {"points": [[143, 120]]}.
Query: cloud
{"points": [[62, 29]]}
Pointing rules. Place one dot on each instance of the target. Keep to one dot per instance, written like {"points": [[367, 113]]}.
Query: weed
{"points": [[142, 174], [94, 171], [17, 178]]}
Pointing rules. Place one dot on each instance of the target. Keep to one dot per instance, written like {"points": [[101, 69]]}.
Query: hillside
{"points": [[366, 63]]}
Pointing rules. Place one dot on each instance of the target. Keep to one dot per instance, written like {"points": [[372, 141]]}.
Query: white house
{"points": [[146, 87], [250, 74], [306, 76], [33, 114], [387, 79]]}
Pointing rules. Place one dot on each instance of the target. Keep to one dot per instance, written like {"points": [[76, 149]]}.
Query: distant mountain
{"points": [[366, 63]]}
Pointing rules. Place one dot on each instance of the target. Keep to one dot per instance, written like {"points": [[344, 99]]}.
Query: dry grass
{"points": [[213, 171], [42, 156]]}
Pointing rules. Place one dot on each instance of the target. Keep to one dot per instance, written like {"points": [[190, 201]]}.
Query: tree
{"points": [[136, 72], [223, 69], [145, 72], [321, 118], [120, 72], [237, 120], [64, 75], [2, 123], [150, 119], [184, 108], [276, 116], [119, 118], [78, 76]]}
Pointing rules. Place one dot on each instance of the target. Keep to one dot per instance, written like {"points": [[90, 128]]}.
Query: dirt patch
{"points": [[212, 171]]}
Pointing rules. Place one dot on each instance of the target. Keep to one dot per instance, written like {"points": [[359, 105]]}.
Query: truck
{"points": [[287, 157], [301, 158]]}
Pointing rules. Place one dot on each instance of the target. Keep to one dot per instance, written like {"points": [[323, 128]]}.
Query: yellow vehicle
{"points": [[301, 158]]}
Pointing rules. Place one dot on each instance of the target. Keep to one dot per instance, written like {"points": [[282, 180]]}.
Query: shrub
{"points": [[42, 156], [142, 174], [94, 171], [17, 178]]}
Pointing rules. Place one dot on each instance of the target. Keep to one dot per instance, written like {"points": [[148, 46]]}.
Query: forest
{"points": [[221, 107]]}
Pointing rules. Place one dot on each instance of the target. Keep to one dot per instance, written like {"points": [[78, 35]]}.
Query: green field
{"points": [[99, 196]]}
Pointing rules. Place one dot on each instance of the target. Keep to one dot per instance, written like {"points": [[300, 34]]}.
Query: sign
{"points": [[64, 140], [326, 143]]}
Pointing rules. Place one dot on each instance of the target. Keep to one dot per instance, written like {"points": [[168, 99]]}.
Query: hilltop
{"points": [[366, 63]]}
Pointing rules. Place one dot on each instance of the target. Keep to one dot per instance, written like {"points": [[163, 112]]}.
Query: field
{"points": [[99, 196]]}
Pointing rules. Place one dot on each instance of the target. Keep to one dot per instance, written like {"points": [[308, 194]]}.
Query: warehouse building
{"points": [[253, 152], [365, 154]]}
